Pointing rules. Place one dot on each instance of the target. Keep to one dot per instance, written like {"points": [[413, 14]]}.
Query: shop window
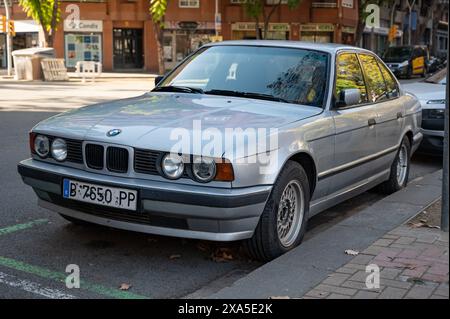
{"points": [[82, 47], [189, 4]]}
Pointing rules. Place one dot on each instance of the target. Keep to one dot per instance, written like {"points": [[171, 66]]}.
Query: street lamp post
{"points": [[8, 39]]}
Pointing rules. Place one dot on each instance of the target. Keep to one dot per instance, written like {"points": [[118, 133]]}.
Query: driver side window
{"points": [[349, 76]]}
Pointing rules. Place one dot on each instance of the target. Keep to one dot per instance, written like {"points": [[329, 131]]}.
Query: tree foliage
{"points": [[46, 13], [158, 9], [256, 9]]}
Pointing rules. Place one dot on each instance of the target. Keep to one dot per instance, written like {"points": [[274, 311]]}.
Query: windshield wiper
{"points": [[250, 95], [183, 89]]}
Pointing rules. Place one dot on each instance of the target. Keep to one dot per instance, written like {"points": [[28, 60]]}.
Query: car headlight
{"points": [[41, 145], [172, 165], [403, 64], [59, 149], [204, 169]]}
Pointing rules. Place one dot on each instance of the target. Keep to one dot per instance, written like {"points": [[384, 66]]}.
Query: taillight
{"points": [[32, 137]]}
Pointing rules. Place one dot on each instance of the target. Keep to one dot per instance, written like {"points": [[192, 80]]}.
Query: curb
{"points": [[301, 269]]}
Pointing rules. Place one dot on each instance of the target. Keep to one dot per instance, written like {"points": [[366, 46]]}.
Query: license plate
{"points": [[100, 195]]}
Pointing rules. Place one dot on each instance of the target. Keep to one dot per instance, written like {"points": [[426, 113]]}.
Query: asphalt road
{"points": [[36, 245]]}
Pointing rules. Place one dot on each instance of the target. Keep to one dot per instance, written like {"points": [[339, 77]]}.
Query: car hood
{"points": [[157, 120], [426, 91]]}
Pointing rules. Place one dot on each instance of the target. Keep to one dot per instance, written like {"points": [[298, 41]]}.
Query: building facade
{"points": [[119, 33]]}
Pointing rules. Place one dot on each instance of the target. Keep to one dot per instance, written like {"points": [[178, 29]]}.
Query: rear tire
{"points": [[283, 222], [398, 178]]}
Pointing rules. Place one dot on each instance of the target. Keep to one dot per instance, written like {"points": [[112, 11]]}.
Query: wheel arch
{"points": [[307, 162]]}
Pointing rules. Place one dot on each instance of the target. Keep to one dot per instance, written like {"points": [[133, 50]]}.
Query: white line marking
{"points": [[33, 287]]}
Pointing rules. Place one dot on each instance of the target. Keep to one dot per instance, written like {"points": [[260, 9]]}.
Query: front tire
{"points": [[283, 222], [398, 178]]}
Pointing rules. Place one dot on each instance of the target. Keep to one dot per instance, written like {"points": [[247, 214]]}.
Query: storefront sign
{"points": [[317, 27], [188, 25], [347, 4], [251, 26], [351, 30], [83, 26]]}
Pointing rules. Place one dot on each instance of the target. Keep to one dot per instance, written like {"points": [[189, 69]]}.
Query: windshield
{"points": [[281, 74], [399, 54], [438, 78]]}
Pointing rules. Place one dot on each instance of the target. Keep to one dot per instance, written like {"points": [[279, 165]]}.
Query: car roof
{"points": [[326, 47]]}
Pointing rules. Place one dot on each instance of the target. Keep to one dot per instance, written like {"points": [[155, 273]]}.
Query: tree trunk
{"points": [[359, 32], [158, 32]]}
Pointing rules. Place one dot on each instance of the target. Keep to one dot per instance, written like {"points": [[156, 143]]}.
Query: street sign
{"points": [[393, 33]]}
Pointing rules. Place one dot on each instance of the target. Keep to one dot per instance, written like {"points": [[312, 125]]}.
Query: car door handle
{"points": [[372, 122], [399, 115]]}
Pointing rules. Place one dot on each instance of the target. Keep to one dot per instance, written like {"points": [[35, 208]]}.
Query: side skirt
{"points": [[331, 200]]}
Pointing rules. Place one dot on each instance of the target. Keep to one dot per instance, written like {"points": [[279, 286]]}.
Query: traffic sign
{"points": [[11, 28]]}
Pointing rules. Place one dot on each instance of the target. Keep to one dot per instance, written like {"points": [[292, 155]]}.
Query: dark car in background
{"points": [[406, 61]]}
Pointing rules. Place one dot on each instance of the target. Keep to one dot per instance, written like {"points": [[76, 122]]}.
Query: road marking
{"points": [[57, 276], [14, 228], [33, 287]]}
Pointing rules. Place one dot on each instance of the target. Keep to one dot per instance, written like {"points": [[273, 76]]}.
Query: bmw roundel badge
{"points": [[113, 132]]}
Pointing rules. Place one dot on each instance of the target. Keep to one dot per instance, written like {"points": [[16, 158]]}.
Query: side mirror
{"points": [[158, 79], [348, 97]]}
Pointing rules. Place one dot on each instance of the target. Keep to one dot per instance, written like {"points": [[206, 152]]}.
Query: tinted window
{"points": [[374, 78], [296, 75], [349, 75], [397, 54], [391, 84]]}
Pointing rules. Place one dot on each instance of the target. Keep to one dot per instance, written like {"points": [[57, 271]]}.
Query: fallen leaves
{"points": [[222, 255], [352, 252], [422, 223], [125, 286]]}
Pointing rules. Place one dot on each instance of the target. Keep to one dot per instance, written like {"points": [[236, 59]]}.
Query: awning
{"points": [[25, 26]]}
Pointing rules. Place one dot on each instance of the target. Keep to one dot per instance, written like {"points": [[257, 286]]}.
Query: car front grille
{"points": [[74, 151], [145, 161], [117, 159], [94, 156]]}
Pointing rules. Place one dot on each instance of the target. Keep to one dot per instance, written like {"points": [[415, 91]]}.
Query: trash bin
{"points": [[27, 62]]}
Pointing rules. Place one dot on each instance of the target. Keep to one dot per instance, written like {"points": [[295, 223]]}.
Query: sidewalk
{"points": [[413, 262]]}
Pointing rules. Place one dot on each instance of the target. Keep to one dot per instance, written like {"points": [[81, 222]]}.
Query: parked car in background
{"points": [[406, 61], [431, 93], [341, 122]]}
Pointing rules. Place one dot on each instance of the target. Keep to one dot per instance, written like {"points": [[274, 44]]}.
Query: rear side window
{"points": [[391, 84], [374, 77], [349, 75]]}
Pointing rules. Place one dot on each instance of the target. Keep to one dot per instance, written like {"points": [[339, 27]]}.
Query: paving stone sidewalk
{"points": [[413, 263]]}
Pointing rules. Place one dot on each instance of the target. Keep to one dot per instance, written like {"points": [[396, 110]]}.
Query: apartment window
{"points": [[189, 4], [274, 2]]}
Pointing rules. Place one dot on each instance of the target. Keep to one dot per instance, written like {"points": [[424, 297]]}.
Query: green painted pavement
{"points": [[14, 228]]}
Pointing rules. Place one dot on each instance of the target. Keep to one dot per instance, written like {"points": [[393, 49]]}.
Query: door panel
{"points": [[355, 139], [128, 50]]}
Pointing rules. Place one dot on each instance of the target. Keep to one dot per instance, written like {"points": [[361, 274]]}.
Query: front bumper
{"points": [[433, 142], [164, 208]]}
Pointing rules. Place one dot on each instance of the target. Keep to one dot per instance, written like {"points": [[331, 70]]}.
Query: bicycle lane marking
{"points": [[54, 275], [33, 287]]}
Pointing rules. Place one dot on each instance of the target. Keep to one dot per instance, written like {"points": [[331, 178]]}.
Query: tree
{"points": [[158, 10], [46, 13], [256, 9]]}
